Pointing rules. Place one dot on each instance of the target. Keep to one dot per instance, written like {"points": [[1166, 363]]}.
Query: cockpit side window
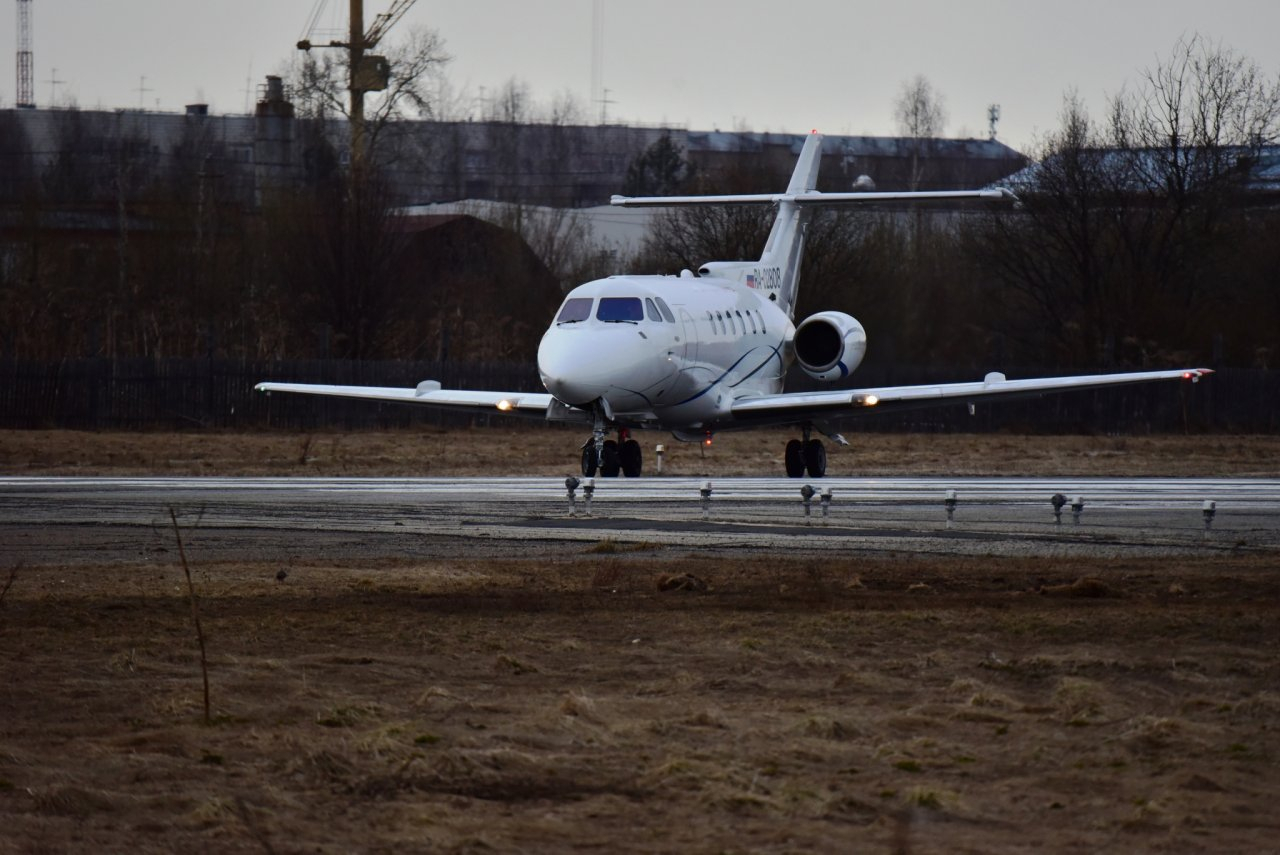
{"points": [[620, 309], [665, 309], [652, 310], [575, 309]]}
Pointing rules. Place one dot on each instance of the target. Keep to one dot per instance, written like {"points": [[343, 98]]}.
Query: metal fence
{"points": [[218, 393]]}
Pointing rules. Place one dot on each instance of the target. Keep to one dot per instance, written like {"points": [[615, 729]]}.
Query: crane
{"points": [[366, 72], [26, 89]]}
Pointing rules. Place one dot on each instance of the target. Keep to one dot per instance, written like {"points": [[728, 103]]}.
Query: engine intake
{"points": [[829, 345]]}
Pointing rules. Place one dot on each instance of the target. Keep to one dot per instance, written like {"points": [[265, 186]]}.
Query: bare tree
{"points": [[319, 81], [1055, 256], [1197, 113], [1190, 132], [921, 114], [1135, 235]]}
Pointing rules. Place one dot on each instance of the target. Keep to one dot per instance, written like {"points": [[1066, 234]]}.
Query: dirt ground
{"points": [[570, 705], [538, 450], [605, 698]]}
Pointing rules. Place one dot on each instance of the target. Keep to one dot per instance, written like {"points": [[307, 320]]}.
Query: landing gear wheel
{"points": [[815, 458], [589, 460], [631, 459], [609, 463], [795, 459]]}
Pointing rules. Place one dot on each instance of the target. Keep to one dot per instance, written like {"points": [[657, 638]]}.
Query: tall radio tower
{"points": [[26, 94]]}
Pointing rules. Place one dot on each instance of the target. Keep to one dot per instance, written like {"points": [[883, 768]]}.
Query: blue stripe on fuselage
{"points": [[772, 353]]}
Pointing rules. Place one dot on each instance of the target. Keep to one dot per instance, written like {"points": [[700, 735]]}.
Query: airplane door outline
{"points": [[690, 329]]}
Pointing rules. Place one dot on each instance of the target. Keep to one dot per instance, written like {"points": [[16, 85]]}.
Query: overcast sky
{"points": [[785, 65]]}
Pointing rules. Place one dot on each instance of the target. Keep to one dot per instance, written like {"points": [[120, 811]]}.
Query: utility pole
{"points": [[142, 91], [365, 72], [53, 82], [26, 94], [355, 47]]}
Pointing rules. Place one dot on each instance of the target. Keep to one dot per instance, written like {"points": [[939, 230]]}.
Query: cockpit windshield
{"points": [[620, 309], [575, 309]]}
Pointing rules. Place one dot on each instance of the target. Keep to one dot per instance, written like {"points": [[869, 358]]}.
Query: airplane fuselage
{"points": [[665, 351]]}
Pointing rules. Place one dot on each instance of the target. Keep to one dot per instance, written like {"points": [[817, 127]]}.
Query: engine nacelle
{"points": [[829, 345]]}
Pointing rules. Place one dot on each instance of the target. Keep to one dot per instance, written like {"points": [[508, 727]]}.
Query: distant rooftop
{"points": [[857, 146]]}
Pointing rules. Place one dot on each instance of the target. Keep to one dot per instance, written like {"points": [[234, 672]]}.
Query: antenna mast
{"points": [[26, 94]]}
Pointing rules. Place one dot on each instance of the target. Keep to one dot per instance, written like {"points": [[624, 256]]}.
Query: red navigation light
{"points": [[707, 441]]}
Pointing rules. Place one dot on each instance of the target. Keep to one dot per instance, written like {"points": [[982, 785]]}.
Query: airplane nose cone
{"points": [[566, 370], [579, 365]]}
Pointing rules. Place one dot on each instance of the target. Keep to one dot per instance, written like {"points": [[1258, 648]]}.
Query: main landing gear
{"points": [[806, 455], [608, 457]]}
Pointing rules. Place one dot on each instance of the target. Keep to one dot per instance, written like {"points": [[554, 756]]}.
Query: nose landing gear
{"points": [[610, 458]]}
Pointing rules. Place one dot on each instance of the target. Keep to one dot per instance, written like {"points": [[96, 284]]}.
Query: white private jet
{"points": [[699, 353]]}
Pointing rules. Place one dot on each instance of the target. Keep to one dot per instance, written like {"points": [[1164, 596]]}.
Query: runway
{"points": [[1238, 493], [50, 519]]}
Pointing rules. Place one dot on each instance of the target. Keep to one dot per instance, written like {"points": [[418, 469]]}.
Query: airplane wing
{"points": [[429, 394], [797, 406]]}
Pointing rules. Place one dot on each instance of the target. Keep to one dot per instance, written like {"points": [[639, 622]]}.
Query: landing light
{"points": [[505, 405], [869, 400]]}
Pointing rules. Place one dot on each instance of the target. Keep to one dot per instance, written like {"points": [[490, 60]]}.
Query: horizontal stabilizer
{"points": [[815, 198]]}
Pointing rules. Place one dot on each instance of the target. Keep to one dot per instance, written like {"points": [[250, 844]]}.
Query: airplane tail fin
{"points": [[785, 246], [779, 265]]}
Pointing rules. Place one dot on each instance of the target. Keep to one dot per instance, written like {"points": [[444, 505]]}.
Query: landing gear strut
{"points": [[806, 455], [609, 457]]}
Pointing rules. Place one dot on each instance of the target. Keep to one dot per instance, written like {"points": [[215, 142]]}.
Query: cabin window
{"points": [[575, 309], [753, 322], [761, 317], [666, 311], [620, 309], [652, 310], [720, 321]]}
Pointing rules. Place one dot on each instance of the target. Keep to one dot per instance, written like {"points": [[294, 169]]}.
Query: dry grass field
{"points": [[538, 450], [647, 698], [545, 705]]}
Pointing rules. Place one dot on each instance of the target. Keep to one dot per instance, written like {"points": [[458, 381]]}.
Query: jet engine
{"points": [[829, 345]]}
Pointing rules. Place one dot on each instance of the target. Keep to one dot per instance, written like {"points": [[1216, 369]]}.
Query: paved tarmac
{"points": [[64, 520]]}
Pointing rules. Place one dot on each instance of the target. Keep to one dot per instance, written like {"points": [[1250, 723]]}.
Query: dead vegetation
{"points": [[515, 703], [533, 449]]}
